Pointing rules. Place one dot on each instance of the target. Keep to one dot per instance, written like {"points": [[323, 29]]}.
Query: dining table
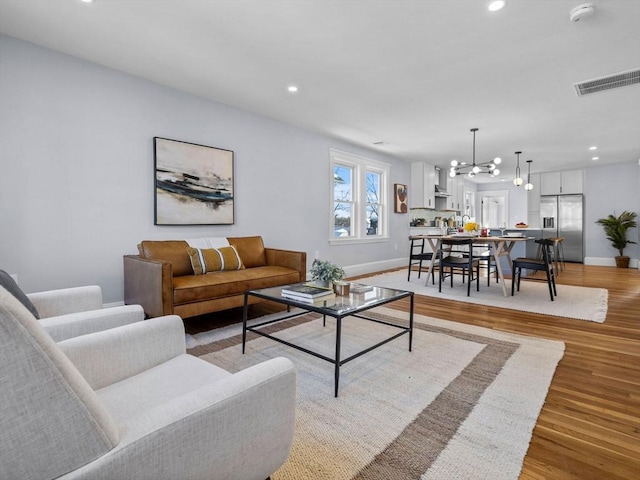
{"points": [[501, 246]]}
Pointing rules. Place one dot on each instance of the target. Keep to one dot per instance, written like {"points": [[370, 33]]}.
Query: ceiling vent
{"points": [[622, 79]]}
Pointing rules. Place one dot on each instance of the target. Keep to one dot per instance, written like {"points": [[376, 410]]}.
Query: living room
{"points": [[77, 174]]}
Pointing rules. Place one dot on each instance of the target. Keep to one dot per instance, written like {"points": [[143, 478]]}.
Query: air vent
{"points": [[622, 79]]}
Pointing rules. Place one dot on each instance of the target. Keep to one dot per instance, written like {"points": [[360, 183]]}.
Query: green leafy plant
{"points": [[615, 228], [325, 271]]}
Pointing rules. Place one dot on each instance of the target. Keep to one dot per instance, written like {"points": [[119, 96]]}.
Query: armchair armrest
{"points": [[244, 422], [288, 258], [112, 355], [67, 300], [148, 283], [72, 325]]}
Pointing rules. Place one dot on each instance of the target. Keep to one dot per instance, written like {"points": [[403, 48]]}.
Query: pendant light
{"points": [[475, 168], [528, 186], [518, 180]]}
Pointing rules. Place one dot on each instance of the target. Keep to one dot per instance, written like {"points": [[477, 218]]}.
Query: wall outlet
{"points": [[316, 255]]}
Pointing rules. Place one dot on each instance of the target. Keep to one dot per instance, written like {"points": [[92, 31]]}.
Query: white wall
{"points": [[611, 189], [77, 179]]}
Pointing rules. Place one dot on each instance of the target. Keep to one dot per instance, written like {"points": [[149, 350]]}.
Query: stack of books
{"points": [[302, 292]]}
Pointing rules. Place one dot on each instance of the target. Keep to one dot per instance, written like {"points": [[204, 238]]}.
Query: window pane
{"points": [[373, 203], [372, 220], [342, 219], [342, 183]]}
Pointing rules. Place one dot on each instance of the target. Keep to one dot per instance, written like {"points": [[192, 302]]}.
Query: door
{"points": [[570, 226]]}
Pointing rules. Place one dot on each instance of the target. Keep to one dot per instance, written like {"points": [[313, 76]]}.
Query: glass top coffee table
{"points": [[338, 307]]}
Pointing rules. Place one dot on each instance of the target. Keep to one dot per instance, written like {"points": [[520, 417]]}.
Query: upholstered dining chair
{"points": [[129, 403], [543, 264], [456, 256], [417, 255]]}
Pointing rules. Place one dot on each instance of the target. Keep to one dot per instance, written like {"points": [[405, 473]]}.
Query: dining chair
{"points": [[485, 256], [543, 264], [417, 255], [457, 256]]}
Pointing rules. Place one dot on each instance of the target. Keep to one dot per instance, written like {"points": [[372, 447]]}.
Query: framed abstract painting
{"points": [[193, 184], [400, 198]]}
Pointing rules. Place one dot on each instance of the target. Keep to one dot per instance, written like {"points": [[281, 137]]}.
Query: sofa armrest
{"points": [[244, 423], [148, 283], [106, 357], [288, 258], [72, 325], [67, 300]]}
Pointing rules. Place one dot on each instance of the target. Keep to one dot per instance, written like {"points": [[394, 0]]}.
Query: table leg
{"points": [[245, 312], [411, 322], [337, 365], [434, 243]]}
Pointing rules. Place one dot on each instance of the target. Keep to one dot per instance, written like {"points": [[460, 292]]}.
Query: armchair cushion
{"points": [[12, 287], [206, 260]]}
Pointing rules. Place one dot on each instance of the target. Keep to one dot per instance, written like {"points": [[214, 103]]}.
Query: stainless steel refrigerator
{"points": [[563, 216]]}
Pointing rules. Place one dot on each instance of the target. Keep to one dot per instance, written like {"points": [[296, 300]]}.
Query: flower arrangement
{"points": [[325, 272], [471, 227]]}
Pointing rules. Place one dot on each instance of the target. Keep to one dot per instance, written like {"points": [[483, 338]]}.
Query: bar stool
{"points": [[417, 255], [556, 253]]}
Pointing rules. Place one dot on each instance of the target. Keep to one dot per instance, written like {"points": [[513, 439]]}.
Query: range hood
{"points": [[441, 191], [441, 185]]}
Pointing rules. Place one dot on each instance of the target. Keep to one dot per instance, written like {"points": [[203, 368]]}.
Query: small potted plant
{"points": [[615, 228], [324, 273]]}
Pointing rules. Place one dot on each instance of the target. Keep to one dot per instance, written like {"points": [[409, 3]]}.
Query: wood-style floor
{"points": [[589, 427]]}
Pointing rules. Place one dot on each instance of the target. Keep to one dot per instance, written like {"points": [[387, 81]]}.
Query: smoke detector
{"points": [[582, 11]]}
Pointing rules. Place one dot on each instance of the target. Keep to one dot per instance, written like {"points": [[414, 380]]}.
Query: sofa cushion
{"points": [[197, 288], [206, 260], [251, 250], [12, 287], [174, 251]]}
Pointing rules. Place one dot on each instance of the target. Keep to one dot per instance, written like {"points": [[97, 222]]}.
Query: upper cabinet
{"points": [[455, 189], [423, 185], [557, 183]]}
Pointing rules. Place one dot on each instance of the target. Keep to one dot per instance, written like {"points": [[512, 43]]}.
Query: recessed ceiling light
{"points": [[593, 148], [497, 5], [292, 89], [86, 1], [595, 158]]}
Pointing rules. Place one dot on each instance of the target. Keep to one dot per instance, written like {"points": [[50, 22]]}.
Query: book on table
{"points": [[302, 290], [311, 301]]}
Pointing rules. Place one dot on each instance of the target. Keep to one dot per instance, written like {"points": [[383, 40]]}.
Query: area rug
{"points": [[461, 405], [581, 303]]}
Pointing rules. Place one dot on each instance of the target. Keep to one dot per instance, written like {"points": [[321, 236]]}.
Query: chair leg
{"points": [[513, 278], [477, 277], [549, 283], [440, 279]]}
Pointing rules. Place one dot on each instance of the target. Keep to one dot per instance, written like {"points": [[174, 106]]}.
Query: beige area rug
{"points": [[461, 405], [581, 303]]}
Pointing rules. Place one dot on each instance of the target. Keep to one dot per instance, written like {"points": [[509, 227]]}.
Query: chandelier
{"points": [[474, 169]]}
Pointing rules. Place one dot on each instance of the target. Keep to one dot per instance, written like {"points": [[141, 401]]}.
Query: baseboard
{"points": [[609, 262], [372, 267]]}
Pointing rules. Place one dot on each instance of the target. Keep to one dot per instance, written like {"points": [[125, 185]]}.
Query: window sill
{"points": [[356, 241]]}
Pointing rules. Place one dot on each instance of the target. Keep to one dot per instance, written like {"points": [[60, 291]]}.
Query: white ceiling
{"points": [[417, 75]]}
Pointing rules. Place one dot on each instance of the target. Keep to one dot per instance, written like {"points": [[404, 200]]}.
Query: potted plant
{"points": [[324, 273], [616, 230]]}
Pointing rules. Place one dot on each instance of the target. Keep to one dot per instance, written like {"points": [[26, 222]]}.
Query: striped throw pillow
{"points": [[205, 260]]}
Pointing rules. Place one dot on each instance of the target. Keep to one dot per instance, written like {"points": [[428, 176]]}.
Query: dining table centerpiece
{"points": [[471, 228]]}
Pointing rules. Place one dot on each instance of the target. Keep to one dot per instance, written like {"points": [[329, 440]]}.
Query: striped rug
{"points": [[461, 405]]}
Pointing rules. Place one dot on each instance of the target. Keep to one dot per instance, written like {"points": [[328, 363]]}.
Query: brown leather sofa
{"points": [[162, 280]]}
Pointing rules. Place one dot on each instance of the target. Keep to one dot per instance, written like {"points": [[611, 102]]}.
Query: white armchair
{"points": [[69, 312], [130, 403]]}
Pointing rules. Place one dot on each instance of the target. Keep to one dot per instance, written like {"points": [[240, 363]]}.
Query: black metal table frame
{"points": [[337, 361]]}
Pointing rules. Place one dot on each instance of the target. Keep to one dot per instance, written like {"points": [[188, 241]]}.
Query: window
{"points": [[358, 199]]}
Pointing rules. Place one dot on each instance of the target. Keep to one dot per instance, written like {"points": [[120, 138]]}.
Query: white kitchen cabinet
{"points": [[423, 185], [560, 183], [533, 202], [455, 189]]}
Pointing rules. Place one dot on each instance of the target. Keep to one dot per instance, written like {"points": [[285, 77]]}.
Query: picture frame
{"points": [[401, 197], [193, 184]]}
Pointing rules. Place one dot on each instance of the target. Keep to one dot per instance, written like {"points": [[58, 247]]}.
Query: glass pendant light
{"points": [[518, 180], [528, 186]]}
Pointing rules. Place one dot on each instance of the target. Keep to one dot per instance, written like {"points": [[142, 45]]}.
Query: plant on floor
{"points": [[325, 272], [615, 228]]}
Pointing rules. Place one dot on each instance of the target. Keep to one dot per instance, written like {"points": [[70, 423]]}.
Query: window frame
{"points": [[360, 166]]}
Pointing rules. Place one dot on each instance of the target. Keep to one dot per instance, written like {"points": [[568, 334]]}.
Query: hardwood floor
{"points": [[589, 427]]}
